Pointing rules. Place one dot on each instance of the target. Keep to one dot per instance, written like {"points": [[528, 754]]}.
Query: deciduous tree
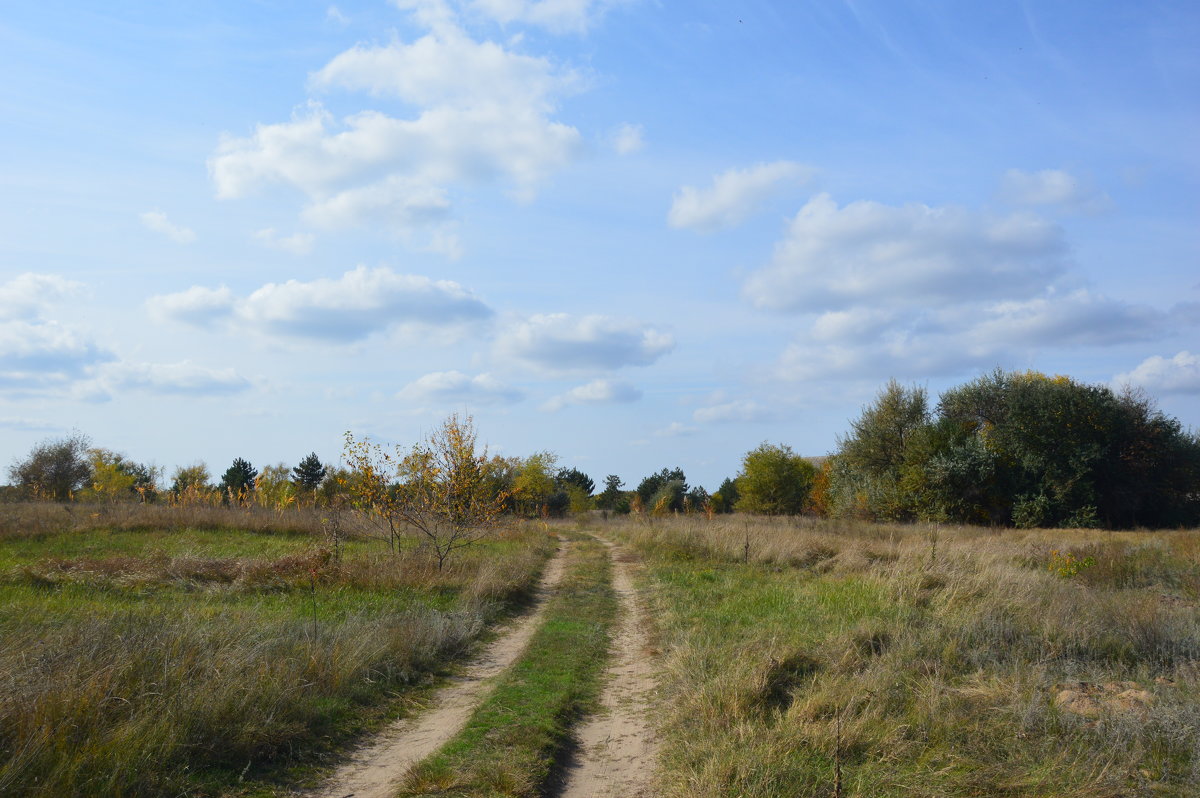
{"points": [[774, 480], [54, 469]]}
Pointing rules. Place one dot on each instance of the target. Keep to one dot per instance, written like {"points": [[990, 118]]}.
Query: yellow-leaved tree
{"points": [[445, 489]]}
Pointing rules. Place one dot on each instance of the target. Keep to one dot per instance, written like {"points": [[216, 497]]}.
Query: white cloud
{"points": [[27, 295], [1080, 318], [675, 430], [558, 16], [297, 243], [182, 379], [1159, 375], [596, 392], [158, 222], [924, 342], [628, 139], [741, 410], [448, 69], [41, 354], [1052, 187], [334, 14], [454, 387], [733, 197], [198, 306], [560, 342], [870, 253], [354, 306], [482, 113]]}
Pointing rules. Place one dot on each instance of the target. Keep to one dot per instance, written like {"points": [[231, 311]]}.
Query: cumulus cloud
{"points": [[175, 379], [914, 343], [159, 223], [628, 139], [42, 354], [344, 310], [1052, 187], [1159, 375], [482, 113], [297, 243], [871, 253], [27, 295], [558, 16], [741, 410], [733, 196], [1080, 318], [454, 387], [197, 306], [37, 353], [560, 342], [596, 392]]}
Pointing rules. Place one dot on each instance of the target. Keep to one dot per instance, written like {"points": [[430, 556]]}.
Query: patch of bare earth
{"points": [[617, 747], [377, 769]]}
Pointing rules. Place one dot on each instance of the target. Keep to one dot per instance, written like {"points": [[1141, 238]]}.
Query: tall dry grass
{"points": [[943, 654], [161, 674]]}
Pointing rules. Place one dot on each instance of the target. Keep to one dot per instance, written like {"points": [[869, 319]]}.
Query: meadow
{"points": [[809, 657], [224, 651], [154, 650]]}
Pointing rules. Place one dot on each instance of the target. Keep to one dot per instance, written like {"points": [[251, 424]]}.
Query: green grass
{"points": [[142, 662], [509, 746], [943, 671]]}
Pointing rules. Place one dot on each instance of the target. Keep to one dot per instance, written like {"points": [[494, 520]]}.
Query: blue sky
{"points": [[637, 234]]}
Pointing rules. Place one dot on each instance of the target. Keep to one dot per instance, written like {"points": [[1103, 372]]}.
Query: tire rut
{"points": [[617, 747], [377, 769]]}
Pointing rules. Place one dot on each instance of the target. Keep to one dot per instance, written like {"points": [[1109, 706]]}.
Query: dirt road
{"points": [[376, 770], [616, 752]]}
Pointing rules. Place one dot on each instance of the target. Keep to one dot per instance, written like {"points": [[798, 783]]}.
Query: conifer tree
{"points": [[309, 475]]}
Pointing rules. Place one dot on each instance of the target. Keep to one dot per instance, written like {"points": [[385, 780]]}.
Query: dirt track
{"points": [[616, 752], [376, 769]]}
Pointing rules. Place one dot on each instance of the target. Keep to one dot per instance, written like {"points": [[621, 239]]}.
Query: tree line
{"points": [[1009, 448]]}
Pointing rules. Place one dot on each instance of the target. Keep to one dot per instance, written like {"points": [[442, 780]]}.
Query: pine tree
{"points": [[238, 479], [309, 475]]}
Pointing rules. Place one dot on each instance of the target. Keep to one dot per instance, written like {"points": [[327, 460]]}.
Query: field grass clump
{"points": [[510, 744], [923, 661], [193, 661]]}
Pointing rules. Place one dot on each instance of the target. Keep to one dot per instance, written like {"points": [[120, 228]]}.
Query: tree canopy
{"points": [[774, 480]]}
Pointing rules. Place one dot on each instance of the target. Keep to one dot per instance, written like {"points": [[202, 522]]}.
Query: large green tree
{"points": [[774, 480], [871, 459]]}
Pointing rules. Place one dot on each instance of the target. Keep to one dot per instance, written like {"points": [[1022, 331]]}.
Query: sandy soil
{"points": [[617, 747], [376, 769]]}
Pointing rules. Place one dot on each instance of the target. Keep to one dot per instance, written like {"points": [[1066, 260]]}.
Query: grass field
{"points": [[924, 662], [209, 651], [156, 656]]}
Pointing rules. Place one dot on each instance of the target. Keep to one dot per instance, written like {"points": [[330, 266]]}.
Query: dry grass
{"points": [[942, 651], [175, 668], [39, 519]]}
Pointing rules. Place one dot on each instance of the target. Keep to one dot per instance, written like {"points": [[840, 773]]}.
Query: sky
{"points": [[635, 233]]}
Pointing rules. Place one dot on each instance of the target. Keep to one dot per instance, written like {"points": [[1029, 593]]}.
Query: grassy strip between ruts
{"points": [[509, 746]]}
